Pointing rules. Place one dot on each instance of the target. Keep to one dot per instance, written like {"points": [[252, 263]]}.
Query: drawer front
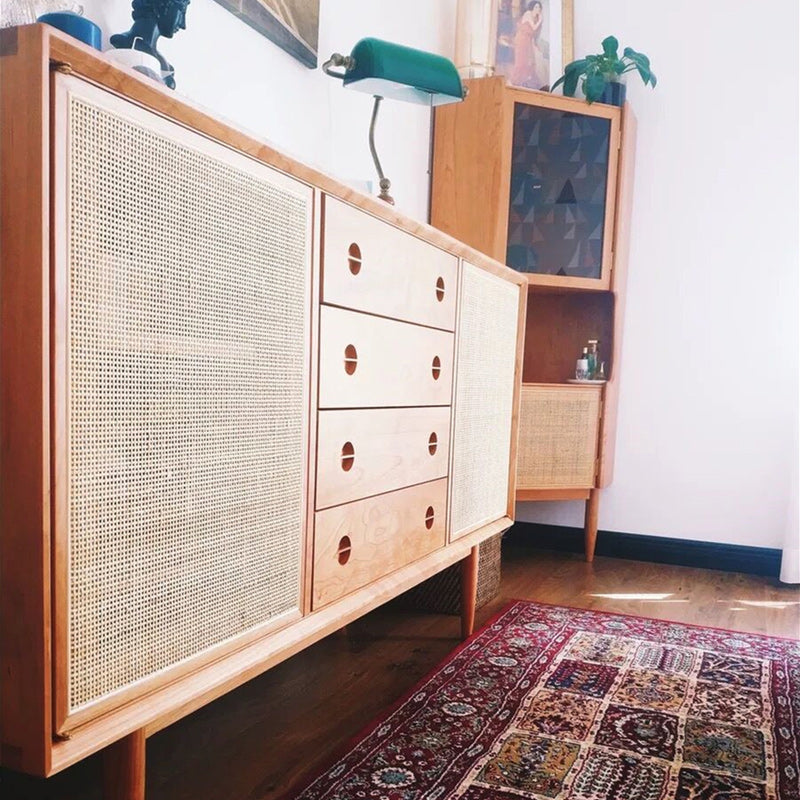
{"points": [[360, 542], [366, 452], [372, 266], [558, 431], [368, 362]]}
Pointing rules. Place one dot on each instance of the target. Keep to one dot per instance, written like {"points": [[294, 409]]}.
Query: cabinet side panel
{"points": [[25, 716], [622, 237], [471, 167], [484, 399], [187, 326]]}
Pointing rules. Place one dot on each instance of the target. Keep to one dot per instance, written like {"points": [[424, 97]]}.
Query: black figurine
{"points": [[151, 19]]}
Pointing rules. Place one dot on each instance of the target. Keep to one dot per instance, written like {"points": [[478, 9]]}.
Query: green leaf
{"points": [[653, 80], [576, 66], [593, 86], [639, 58], [571, 84], [610, 47], [558, 83]]}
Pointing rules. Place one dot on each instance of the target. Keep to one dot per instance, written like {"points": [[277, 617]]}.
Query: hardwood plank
{"points": [[472, 159], [532, 495], [622, 236], [25, 469]]}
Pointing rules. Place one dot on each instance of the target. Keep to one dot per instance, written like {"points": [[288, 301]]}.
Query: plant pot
{"points": [[613, 94]]}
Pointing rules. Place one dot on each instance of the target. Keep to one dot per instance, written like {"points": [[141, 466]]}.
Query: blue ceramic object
{"points": [[614, 94], [75, 25]]}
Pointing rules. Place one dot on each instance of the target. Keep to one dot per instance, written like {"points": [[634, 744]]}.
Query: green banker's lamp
{"points": [[384, 69]]}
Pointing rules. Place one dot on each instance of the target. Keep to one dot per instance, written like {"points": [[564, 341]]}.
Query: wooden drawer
{"points": [[367, 361], [558, 428], [362, 453], [358, 543], [372, 266]]}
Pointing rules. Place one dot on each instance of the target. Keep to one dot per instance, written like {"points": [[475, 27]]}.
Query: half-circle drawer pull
{"points": [[440, 289], [436, 368], [348, 456], [430, 516], [350, 359], [344, 550], [354, 258], [433, 443]]}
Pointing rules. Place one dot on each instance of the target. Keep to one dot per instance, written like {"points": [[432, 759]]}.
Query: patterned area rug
{"points": [[549, 702]]}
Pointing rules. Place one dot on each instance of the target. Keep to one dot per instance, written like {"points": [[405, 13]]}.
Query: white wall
{"points": [[708, 388], [226, 66], [710, 352]]}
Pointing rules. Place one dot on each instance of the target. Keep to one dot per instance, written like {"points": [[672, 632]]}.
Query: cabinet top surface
{"points": [[46, 48]]}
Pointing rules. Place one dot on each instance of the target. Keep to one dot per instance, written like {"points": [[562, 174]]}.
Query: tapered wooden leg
{"points": [[590, 524], [469, 592], [123, 768]]}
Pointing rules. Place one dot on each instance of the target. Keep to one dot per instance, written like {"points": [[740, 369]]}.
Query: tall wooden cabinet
{"points": [[544, 184], [241, 406]]}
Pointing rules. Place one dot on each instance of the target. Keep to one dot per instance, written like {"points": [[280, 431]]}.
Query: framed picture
{"points": [[291, 24], [533, 41]]}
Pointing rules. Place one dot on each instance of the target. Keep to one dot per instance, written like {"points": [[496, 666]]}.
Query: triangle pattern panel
{"points": [[559, 178]]}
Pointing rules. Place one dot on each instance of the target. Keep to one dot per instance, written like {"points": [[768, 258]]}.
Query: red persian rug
{"points": [[549, 702]]}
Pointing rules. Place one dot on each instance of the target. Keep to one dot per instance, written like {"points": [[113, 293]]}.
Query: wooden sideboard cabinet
{"points": [[242, 405], [544, 183]]}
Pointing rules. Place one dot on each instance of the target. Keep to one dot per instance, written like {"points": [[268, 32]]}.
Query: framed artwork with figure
{"points": [[534, 41]]}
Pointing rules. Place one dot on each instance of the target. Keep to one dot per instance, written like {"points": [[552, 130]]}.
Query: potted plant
{"points": [[600, 75]]}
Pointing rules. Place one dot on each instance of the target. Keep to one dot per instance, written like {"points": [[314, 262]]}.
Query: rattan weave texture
{"points": [[187, 319], [484, 399], [557, 437]]}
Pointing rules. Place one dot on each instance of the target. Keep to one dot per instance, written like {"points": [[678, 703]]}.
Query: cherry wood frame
{"points": [[472, 159], [29, 308], [469, 200]]}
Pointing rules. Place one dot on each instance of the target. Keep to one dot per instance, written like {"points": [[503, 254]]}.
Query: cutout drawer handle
{"points": [[440, 289], [433, 443], [350, 359], [436, 368], [354, 258], [344, 550], [348, 456], [429, 517]]}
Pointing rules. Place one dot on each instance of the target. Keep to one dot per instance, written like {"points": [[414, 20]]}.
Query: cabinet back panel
{"points": [[559, 326], [185, 271], [484, 397]]}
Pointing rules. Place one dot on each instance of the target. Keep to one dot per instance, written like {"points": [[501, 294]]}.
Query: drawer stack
{"points": [[386, 353]]}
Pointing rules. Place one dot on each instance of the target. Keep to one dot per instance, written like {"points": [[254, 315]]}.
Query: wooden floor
{"points": [[254, 743]]}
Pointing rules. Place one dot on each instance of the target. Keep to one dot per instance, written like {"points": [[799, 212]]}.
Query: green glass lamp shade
{"points": [[391, 70]]}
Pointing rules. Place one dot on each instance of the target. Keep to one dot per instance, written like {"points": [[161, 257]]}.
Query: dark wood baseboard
{"points": [[658, 549]]}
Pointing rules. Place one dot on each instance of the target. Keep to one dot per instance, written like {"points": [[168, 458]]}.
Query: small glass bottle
{"points": [[582, 366], [593, 359]]}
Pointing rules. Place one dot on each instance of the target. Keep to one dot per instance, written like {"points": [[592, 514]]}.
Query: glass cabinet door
{"points": [[559, 184]]}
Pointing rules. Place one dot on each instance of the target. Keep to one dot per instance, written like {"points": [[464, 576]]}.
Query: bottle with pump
{"points": [[582, 366]]}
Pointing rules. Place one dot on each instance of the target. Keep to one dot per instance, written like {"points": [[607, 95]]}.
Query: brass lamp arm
{"points": [[338, 60], [383, 181]]}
